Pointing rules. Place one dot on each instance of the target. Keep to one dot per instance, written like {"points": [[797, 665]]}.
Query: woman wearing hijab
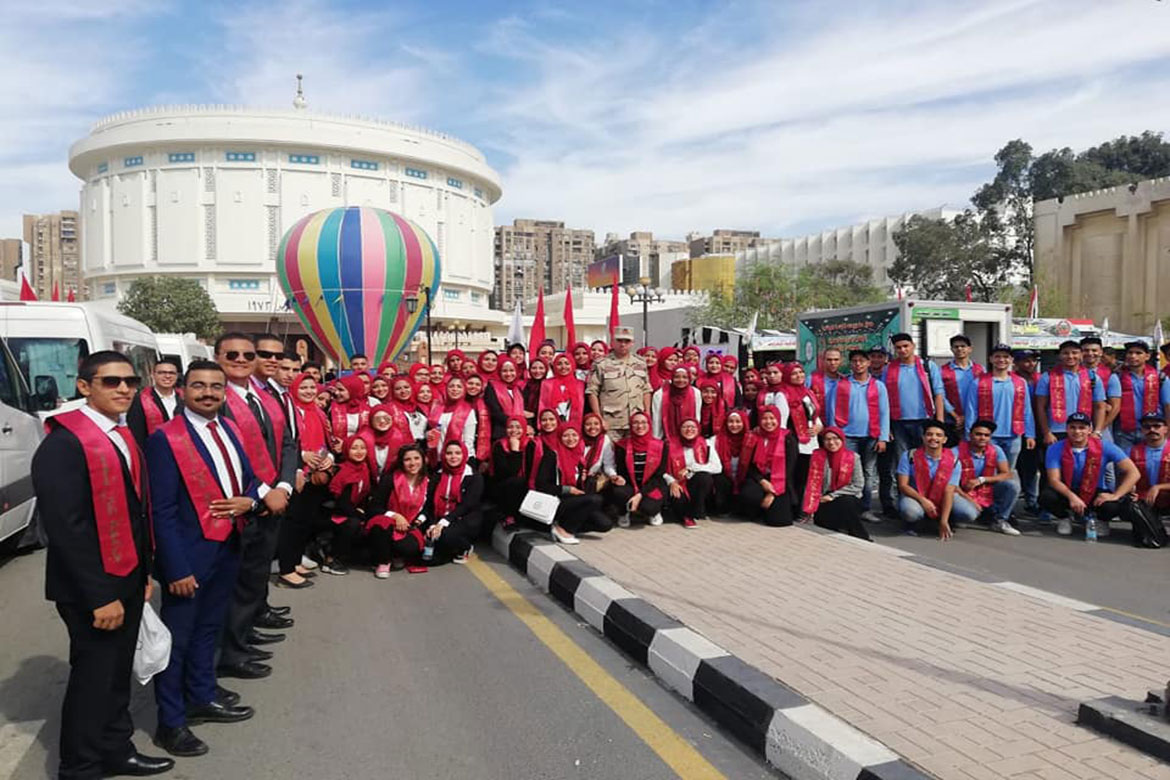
{"points": [[437, 374], [547, 351], [599, 458], [582, 360], [487, 363], [398, 512], [379, 390], [734, 445], [598, 349], [519, 356], [456, 497], [408, 419], [504, 397], [310, 492], [537, 372], [563, 392], [641, 461], [691, 476], [768, 490], [513, 463], [713, 372], [350, 411], [832, 495], [804, 416], [713, 407], [691, 355], [419, 373], [452, 420], [561, 472], [650, 355], [482, 452], [731, 368], [389, 431], [673, 403], [425, 401], [351, 487], [453, 363]]}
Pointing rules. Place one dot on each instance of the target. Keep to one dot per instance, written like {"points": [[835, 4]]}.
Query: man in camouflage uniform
{"points": [[619, 385]]}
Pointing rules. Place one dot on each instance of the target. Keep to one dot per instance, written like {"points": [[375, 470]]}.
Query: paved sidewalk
{"points": [[965, 679]]}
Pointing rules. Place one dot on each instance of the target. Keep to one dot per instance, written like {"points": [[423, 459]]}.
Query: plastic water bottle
{"points": [[429, 549], [1090, 529]]}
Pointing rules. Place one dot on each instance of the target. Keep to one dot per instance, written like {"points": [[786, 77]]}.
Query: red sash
{"points": [[746, 448], [111, 508], [449, 491], [407, 501], [815, 486], [653, 459], [339, 420], [1138, 456], [152, 409], [892, 371], [872, 405], [483, 432], [983, 493], [201, 482], [1150, 388], [459, 416], [1058, 399], [673, 414], [511, 399], [775, 462], [985, 400], [817, 387], [1091, 474], [799, 416], [951, 384], [935, 488], [252, 438]]}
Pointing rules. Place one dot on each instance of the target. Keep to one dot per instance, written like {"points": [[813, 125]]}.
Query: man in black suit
{"points": [[272, 451], [90, 481], [155, 405]]}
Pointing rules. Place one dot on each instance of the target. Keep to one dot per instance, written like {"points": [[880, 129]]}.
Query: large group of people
{"points": [[256, 469]]}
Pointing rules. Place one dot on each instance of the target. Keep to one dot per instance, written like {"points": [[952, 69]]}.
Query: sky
{"points": [[784, 116]]}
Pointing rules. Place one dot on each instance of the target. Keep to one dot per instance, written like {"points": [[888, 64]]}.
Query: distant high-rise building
{"points": [[54, 256], [654, 255], [11, 253], [723, 242], [531, 254]]}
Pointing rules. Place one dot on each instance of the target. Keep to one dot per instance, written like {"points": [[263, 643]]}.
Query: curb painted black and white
{"points": [[801, 739]]}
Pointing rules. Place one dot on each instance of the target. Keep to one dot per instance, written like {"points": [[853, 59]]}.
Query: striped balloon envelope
{"points": [[348, 273]]}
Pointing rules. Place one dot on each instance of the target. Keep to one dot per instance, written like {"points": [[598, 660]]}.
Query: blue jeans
{"points": [[1011, 446], [914, 516], [906, 435], [865, 447]]}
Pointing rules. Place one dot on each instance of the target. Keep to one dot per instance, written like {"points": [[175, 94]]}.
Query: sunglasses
{"points": [[266, 355], [1152, 426], [114, 382], [235, 354]]}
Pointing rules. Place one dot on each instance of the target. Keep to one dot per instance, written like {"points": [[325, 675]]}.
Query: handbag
{"points": [[540, 507], [153, 651]]}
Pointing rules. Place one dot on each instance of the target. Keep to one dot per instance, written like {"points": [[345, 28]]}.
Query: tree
{"points": [[171, 304], [780, 292], [1004, 207], [938, 258]]}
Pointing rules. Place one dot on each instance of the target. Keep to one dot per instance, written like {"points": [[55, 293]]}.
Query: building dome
{"points": [[206, 192]]}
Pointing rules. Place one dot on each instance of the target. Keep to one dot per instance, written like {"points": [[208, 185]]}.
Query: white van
{"points": [[20, 433], [48, 341], [184, 346]]}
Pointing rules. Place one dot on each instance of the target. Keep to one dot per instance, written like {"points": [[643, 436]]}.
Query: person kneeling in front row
{"points": [[986, 483], [1076, 477], [836, 481], [927, 478]]}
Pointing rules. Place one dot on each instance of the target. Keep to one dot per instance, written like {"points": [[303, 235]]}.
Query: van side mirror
{"points": [[45, 393]]}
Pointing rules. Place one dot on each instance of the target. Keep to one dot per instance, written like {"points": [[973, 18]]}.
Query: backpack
{"points": [[1148, 530]]}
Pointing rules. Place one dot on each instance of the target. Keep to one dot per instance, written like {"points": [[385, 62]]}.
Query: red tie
{"points": [[135, 466], [227, 461]]}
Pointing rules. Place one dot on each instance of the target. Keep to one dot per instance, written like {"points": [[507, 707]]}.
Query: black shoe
{"points": [[179, 742], [226, 697], [269, 620], [282, 611], [256, 654], [138, 765], [261, 638], [214, 712], [281, 582], [248, 670]]}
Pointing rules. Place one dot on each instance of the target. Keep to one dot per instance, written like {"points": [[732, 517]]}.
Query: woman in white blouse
{"points": [[691, 475]]}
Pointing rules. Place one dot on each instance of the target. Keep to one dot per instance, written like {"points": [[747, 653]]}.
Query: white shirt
{"points": [[606, 462], [108, 428], [381, 455], [469, 427], [202, 429], [712, 466], [169, 402], [418, 424], [780, 401], [659, 398]]}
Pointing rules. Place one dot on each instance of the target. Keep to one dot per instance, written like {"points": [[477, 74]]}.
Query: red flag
{"points": [[570, 328], [56, 291], [968, 293], [614, 317], [899, 289], [536, 335], [71, 298], [26, 291]]}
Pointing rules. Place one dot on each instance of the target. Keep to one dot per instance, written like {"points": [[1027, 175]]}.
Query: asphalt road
{"points": [[1111, 573], [421, 676]]}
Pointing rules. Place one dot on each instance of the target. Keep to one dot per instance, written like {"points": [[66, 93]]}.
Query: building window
{"points": [[103, 167], [363, 165], [304, 159], [415, 173], [453, 182], [451, 295], [131, 162], [240, 157], [479, 193], [181, 157], [476, 297], [243, 284], [109, 288]]}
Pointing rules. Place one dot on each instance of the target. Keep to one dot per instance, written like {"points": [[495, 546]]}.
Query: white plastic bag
{"points": [[153, 652]]}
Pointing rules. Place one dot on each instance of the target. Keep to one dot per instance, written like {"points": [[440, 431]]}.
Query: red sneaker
{"points": [[689, 522]]}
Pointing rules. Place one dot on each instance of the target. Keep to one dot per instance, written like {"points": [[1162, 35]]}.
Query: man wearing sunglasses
{"points": [[155, 405], [91, 487], [1152, 458], [272, 451], [269, 351]]}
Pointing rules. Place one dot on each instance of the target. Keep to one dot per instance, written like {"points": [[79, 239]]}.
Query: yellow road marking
{"points": [[678, 754], [1142, 618]]}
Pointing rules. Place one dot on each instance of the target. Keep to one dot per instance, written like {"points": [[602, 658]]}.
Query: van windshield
{"points": [[55, 357]]}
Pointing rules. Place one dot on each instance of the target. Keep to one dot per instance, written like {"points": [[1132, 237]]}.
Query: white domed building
{"points": [[207, 192]]}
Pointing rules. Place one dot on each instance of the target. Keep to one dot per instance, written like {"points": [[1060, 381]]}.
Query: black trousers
{"points": [[648, 506], [459, 536], [258, 547], [842, 514], [95, 717], [1057, 504], [508, 494], [777, 515], [297, 527], [700, 488], [384, 549], [583, 513], [725, 498]]}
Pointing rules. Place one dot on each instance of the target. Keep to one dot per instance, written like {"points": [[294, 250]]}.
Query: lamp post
{"points": [[412, 307], [645, 294]]}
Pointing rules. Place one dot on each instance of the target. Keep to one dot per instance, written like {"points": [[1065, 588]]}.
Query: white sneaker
{"points": [[656, 520], [624, 521], [382, 572], [1064, 527], [308, 563], [462, 557], [1004, 527]]}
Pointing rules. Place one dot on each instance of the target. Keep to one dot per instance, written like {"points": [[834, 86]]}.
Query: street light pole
{"points": [[412, 306], [645, 295]]}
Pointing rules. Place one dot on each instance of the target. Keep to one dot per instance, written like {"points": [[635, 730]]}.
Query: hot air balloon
{"points": [[347, 273]]}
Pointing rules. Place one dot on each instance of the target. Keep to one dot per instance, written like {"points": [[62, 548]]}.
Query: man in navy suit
{"points": [[202, 487]]}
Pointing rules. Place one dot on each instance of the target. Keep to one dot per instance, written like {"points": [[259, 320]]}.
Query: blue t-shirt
{"points": [[1003, 396], [979, 459], [1111, 455], [1139, 394], [913, 405], [964, 378], [858, 422], [932, 464], [1072, 394], [1153, 462]]}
